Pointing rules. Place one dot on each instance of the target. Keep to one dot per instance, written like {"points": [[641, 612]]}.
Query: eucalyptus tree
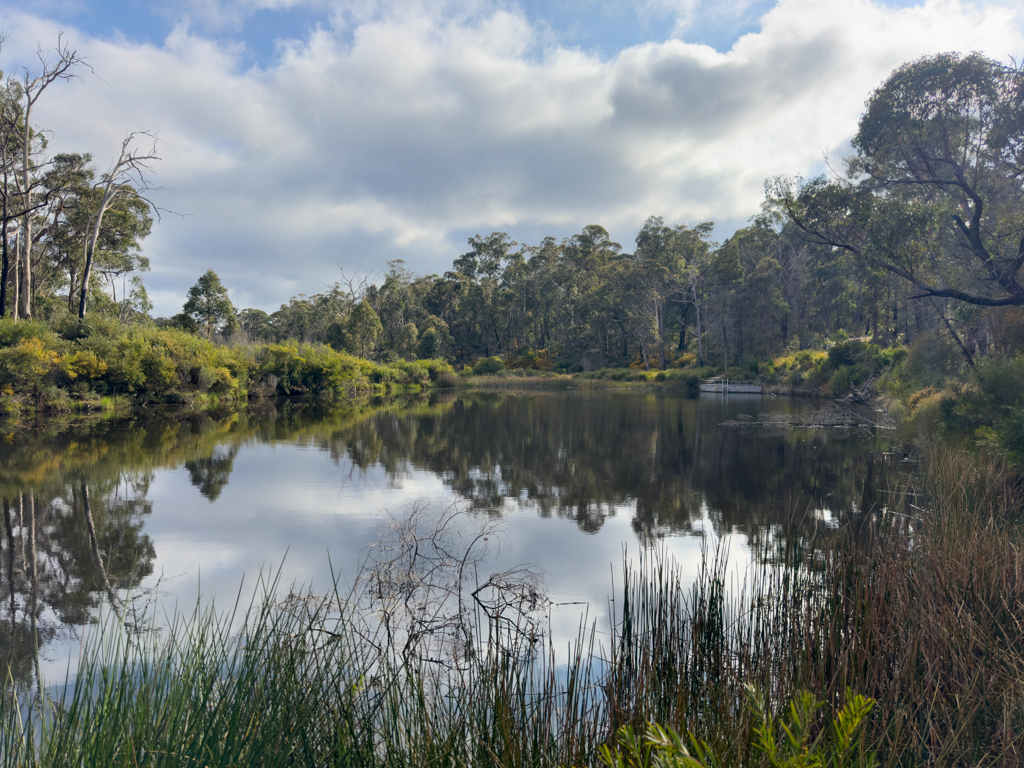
{"points": [[582, 266], [119, 246], [257, 324], [26, 92], [127, 178], [10, 203], [480, 300], [934, 195], [397, 307], [364, 330], [674, 259], [68, 185], [207, 305]]}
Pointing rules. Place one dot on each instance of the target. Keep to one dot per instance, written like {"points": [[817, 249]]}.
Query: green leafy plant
{"points": [[795, 742]]}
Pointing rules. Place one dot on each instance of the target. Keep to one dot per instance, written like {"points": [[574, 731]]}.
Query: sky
{"points": [[304, 140]]}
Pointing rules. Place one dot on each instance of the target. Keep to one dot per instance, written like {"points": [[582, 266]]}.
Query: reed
{"points": [[920, 608], [921, 612]]}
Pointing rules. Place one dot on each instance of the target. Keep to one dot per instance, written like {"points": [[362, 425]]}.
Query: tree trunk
{"points": [[661, 334], [26, 279], [5, 265], [94, 545], [16, 299], [26, 250]]}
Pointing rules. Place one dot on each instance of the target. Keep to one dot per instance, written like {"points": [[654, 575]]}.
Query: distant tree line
{"points": [[924, 233]]}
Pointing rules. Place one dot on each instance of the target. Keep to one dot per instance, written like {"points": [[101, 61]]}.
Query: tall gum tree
{"points": [[31, 89]]}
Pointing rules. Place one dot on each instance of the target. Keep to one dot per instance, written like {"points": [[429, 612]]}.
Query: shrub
{"points": [[384, 375], [24, 365], [411, 372], [917, 397], [793, 741], [995, 406], [735, 373], [84, 365], [489, 366], [841, 378], [281, 361], [686, 381], [437, 369], [13, 333], [321, 369], [446, 379]]}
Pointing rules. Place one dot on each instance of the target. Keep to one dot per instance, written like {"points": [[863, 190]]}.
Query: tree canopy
{"points": [[934, 195], [208, 307]]}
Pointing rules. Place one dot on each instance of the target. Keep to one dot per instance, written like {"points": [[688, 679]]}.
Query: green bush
{"points": [[411, 372], [799, 740], [841, 378], [993, 410], [437, 369], [688, 381], [384, 374], [25, 366], [12, 333], [489, 366], [735, 373]]}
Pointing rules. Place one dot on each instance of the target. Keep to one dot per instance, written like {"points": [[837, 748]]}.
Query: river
{"points": [[159, 511]]}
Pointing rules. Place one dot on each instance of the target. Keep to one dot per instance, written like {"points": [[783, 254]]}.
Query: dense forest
{"points": [[921, 235]]}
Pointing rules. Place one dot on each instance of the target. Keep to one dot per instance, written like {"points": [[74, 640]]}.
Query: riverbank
{"points": [[105, 366], [916, 606], [79, 368]]}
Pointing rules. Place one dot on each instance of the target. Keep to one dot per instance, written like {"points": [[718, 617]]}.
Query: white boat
{"points": [[717, 386]]}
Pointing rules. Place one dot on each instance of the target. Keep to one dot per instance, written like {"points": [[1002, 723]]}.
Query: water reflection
{"points": [[211, 473], [65, 549], [76, 501], [581, 457]]}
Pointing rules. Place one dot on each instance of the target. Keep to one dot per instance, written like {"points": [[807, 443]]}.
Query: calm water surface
{"points": [[180, 506]]}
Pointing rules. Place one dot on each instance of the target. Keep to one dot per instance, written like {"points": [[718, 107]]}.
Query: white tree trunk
{"points": [[26, 286], [15, 298]]}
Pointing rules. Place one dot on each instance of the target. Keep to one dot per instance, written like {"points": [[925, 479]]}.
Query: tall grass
{"points": [[920, 608], [922, 612]]}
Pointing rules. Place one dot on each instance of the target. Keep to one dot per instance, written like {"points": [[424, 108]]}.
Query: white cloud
{"points": [[398, 134]]}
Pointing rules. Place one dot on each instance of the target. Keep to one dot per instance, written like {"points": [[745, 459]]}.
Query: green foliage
{"points": [[489, 366], [12, 333], [799, 741], [793, 743], [841, 379], [25, 365], [687, 381], [363, 331], [208, 307], [299, 368], [992, 411], [659, 747]]}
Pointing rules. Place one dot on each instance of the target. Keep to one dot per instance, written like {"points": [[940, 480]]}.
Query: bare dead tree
{"points": [[420, 579], [129, 174], [31, 90]]}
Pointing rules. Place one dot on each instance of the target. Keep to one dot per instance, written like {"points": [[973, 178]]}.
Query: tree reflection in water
{"points": [[75, 499], [65, 551]]}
